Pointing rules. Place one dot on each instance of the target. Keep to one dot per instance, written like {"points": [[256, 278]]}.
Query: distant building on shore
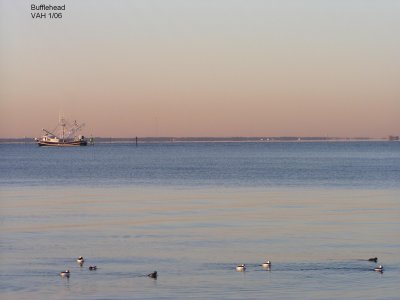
{"points": [[393, 137]]}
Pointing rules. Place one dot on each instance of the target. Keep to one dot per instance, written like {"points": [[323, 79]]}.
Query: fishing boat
{"points": [[64, 135]]}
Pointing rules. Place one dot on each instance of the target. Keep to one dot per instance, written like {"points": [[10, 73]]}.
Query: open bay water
{"points": [[193, 211], [308, 164]]}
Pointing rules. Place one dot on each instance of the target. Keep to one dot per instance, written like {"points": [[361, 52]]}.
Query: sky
{"points": [[202, 68]]}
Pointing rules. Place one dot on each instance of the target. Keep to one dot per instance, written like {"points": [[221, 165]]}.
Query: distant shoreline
{"points": [[103, 140]]}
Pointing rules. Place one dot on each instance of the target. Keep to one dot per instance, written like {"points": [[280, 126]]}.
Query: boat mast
{"points": [[63, 124]]}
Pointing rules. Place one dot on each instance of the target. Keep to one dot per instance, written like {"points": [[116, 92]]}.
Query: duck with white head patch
{"points": [[65, 273], [379, 269], [241, 268], [80, 261], [266, 264]]}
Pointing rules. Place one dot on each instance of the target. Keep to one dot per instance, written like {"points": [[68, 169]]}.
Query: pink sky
{"points": [[203, 68]]}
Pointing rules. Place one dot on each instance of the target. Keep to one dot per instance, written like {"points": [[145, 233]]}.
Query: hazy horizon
{"points": [[202, 68], [221, 138]]}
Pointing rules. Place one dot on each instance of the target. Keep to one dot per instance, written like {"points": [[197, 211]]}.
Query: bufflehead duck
{"points": [[64, 273], [241, 268], [379, 269], [374, 259], [266, 264], [92, 268], [153, 275], [80, 260]]}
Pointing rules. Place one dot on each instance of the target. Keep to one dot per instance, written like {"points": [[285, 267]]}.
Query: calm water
{"points": [[192, 211], [332, 164]]}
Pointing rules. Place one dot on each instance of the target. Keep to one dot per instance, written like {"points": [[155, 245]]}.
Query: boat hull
{"points": [[62, 144]]}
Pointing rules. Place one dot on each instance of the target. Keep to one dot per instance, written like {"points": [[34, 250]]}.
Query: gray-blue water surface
{"points": [[193, 211], [308, 164]]}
